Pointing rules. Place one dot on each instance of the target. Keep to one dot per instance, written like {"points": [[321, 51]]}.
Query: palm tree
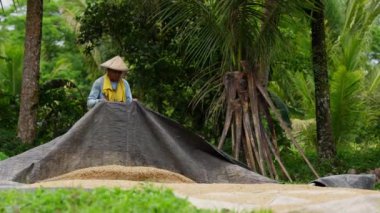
{"points": [[325, 143], [239, 35], [29, 93]]}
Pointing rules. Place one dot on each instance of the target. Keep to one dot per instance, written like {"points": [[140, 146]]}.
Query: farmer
{"points": [[111, 86]]}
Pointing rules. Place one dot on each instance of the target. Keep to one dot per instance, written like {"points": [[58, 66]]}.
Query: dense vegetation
{"points": [[163, 77]]}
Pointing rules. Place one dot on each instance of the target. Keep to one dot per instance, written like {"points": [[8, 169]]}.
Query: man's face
{"points": [[114, 75]]}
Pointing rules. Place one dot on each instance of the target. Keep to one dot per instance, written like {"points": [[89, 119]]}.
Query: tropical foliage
{"points": [[351, 30], [61, 62], [178, 71], [350, 37]]}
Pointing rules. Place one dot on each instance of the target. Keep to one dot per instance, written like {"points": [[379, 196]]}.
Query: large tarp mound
{"points": [[127, 135]]}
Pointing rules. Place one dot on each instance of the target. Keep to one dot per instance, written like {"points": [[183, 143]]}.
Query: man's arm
{"points": [[128, 92], [94, 96]]}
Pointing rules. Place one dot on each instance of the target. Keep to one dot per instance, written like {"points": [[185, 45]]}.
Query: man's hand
{"points": [[101, 100]]}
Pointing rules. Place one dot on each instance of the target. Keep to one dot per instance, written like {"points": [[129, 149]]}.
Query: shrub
{"points": [[10, 145]]}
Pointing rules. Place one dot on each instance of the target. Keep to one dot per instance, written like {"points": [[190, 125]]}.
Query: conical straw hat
{"points": [[115, 63]]}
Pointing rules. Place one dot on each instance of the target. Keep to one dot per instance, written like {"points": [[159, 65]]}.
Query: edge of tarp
{"points": [[207, 144], [360, 181]]}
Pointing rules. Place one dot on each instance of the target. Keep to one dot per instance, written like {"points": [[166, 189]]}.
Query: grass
{"points": [[144, 198], [138, 199]]}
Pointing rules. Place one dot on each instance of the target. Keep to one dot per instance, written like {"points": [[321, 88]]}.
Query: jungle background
{"points": [[78, 35]]}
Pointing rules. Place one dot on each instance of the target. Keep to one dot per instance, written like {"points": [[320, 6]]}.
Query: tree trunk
{"points": [[270, 21], [29, 93], [326, 146]]}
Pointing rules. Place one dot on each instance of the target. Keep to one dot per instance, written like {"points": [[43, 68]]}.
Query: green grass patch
{"points": [[138, 199], [144, 198], [3, 156]]}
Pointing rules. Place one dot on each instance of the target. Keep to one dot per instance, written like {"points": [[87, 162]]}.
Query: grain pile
{"points": [[115, 172]]}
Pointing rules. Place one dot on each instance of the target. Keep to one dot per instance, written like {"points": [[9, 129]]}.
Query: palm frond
{"points": [[348, 49], [212, 84], [281, 107], [345, 101], [335, 17], [197, 29], [222, 30], [371, 98], [360, 14], [227, 28], [304, 85], [373, 81]]}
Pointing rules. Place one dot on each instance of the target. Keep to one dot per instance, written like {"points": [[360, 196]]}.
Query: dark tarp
{"points": [[127, 135], [363, 181]]}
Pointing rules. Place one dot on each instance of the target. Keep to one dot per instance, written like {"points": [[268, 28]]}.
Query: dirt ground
{"points": [[240, 197]]}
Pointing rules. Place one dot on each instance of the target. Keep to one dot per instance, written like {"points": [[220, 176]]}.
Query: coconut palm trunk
{"points": [[29, 93], [326, 146]]}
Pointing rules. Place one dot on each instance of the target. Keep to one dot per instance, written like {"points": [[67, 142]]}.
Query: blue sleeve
{"points": [[128, 92], [94, 96]]}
